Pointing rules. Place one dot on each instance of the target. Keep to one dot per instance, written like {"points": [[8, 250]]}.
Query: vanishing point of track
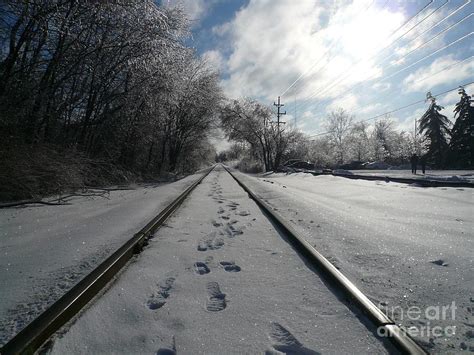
{"points": [[35, 334]]}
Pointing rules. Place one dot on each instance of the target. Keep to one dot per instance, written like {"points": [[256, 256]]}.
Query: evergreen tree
{"points": [[435, 128], [461, 152]]}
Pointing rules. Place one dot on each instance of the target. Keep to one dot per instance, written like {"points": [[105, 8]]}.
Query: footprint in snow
{"points": [[440, 262], [230, 266], [232, 230], [216, 224], [210, 242], [285, 343], [216, 301], [220, 210], [243, 213], [168, 351], [216, 244], [201, 268], [158, 300]]}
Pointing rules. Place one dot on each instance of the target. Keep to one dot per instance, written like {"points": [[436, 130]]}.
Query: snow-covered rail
{"points": [[39, 330], [385, 325]]}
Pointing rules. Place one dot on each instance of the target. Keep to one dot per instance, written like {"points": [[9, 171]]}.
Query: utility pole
{"points": [[279, 113]]}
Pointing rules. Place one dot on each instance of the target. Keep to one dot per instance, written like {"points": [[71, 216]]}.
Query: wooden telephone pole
{"points": [[279, 113]]}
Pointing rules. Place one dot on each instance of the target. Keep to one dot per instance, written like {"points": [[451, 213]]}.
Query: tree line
{"points": [[101, 82], [249, 124]]}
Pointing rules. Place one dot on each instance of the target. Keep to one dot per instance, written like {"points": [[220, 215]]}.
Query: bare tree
{"points": [[339, 124], [249, 121], [100, 77], [358, 141], [384, 138]]}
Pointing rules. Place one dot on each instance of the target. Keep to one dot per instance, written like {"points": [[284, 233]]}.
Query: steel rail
{"points": [[387, 327], [36, 333]]}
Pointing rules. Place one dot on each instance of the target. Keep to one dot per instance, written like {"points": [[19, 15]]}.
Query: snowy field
{"points": [[408, 248], [218, 279], [45, 250]]}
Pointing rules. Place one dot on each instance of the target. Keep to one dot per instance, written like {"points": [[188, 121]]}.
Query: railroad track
{"points": [[397, 336], [42, 328]]}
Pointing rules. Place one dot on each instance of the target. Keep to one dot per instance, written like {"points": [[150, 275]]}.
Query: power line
{"points": [[441, 21], [413, 50], [413, 27], [431, 39], [412, 17], [332, 44], [316, 93], [445, 68], [399, 108], [428, 56], [429, 76], [326, 52], [403, 69]]}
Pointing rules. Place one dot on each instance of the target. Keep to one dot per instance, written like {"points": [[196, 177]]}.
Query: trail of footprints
{"points": [[282, 340], [225, 226]]}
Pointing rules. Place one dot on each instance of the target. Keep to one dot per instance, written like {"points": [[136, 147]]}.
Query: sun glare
{"points": [[369, 32]]}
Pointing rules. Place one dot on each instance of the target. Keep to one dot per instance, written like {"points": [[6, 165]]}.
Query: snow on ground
{"points": [[45, 250], [218, 279], [408, 248]]}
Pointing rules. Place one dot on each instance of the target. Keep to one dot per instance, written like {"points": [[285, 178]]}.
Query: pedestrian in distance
{"points": [[423, 163], [414, 163]]}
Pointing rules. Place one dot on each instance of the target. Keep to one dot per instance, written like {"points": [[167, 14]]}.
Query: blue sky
{"points": [[366, 56]]}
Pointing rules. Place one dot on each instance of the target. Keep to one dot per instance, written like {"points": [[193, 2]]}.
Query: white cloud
{"points": [[348, 102], [372, 109], [274, 42], [406, 120], [429, 77], [381, 86], [420, 34]]}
